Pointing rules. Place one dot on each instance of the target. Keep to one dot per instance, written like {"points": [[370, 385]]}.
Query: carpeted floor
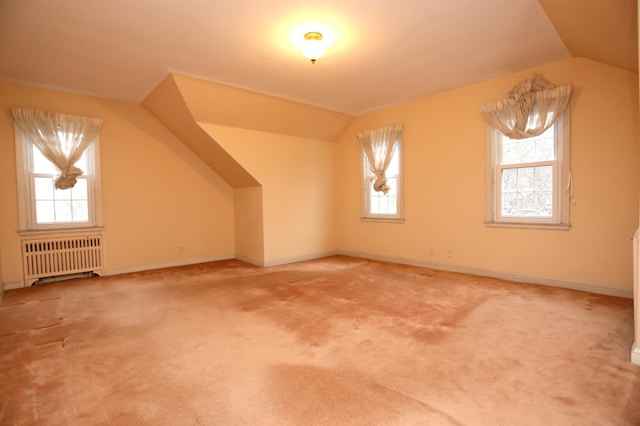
{"points": [[332, 341]]}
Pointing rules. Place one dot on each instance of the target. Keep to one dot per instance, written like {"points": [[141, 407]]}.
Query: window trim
{"points": [[366, 215], [562, 201], [26, 208]]}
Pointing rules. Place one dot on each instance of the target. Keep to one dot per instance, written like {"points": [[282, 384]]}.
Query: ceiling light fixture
{"points": [[313, 46]]}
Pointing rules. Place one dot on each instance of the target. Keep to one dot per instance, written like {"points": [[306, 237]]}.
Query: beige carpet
{"points": [[332, 341]]}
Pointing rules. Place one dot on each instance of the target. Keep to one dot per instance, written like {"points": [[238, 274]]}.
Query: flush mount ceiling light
{"points": [[312, 38], [313, 46]]}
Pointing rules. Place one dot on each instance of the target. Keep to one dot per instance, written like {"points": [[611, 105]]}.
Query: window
{"points": [[529, 179], [42, 206], [378, 205]]}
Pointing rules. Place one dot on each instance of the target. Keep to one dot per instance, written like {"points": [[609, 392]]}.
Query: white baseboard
{"points": [[13, 285], [171, 264], [635, 354], [530, 279], [285, 260], [587, 287], [251, 260]]}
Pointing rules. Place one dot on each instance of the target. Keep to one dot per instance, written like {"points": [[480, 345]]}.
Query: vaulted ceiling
{"points": [[384, 52]]}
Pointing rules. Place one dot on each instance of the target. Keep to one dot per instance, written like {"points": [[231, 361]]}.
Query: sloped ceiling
{"points": [[384, 52], [211, 102], [605, 31], [166, 102], [182, 103]]}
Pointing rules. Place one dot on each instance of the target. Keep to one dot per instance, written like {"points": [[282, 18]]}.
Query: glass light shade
{"points": [[313, 49]]}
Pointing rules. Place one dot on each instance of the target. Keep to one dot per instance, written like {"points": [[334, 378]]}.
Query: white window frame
{"points": [[562, 181], [26, 194], [366, 184]]}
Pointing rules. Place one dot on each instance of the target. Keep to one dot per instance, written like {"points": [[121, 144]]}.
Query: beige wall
{"points": [[249, 224], [284, 202], [635, 353], [298, 189], [1, 281], [444, 160], [161, 204]]}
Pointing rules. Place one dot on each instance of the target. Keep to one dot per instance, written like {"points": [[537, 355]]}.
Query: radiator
{"points": [[44, 258]]}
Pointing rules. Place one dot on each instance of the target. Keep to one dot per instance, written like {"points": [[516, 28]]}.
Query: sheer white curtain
{"points": [[532, 106], [379, 146], [61, 138]]}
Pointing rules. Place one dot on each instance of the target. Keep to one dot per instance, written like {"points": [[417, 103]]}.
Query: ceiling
{"points": [[384, 52]]}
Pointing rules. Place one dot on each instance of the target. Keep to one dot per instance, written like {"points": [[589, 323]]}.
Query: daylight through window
{"points": [[381, 157], [61, 195], [54, 205], [530, 178]]}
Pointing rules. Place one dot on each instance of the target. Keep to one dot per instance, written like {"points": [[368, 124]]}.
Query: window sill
{"points": [[381, 219], [61, 231], [523, 225]]}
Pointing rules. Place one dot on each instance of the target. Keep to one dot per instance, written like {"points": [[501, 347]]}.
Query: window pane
{"points": [[509, 203], [529, 150], [526, 150], [80, 211], [526, 203], [544, 203], [69, 205], [374, 203], [62, 194], [394, 165], [509, 179], [549, 133], [45, 212], [509, 150], [392, 205], [63, 211], [82, 162], [544, 150], [43, 188], [79, 190], [44, 166], [544, 178], [392, 183], [56, 208], [381, 203], [378, 204], [525, 179], [528, 178], [527, 191], [41, 164]]}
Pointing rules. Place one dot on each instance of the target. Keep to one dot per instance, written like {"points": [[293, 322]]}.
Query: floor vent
{"points": [[56, 257]]}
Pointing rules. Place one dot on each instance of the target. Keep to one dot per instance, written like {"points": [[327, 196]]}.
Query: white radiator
{"points": [[44, 258]]}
